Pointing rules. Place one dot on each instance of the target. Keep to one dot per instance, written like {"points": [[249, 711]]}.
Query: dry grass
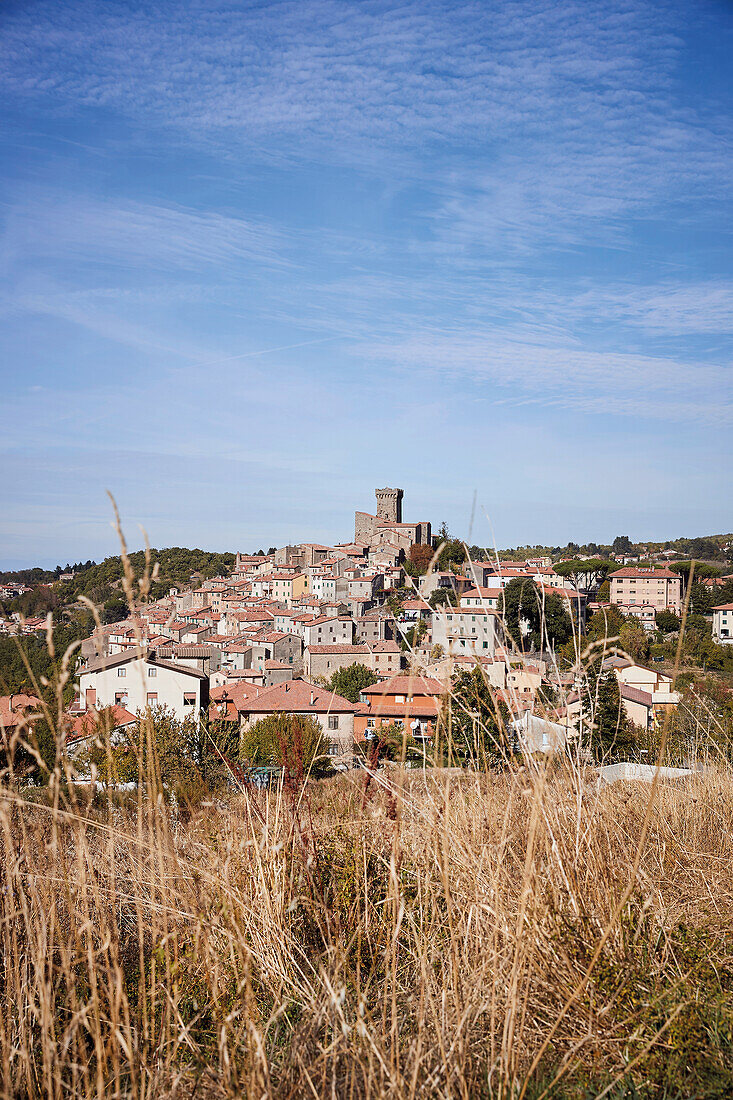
{"points": [[519, 934], [463, 937]]}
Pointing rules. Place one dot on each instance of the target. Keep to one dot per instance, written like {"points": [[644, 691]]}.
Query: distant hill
{"points": [[176, 566]]}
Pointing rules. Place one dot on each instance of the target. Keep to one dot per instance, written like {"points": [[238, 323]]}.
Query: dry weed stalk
{"points": [[518, 933]]}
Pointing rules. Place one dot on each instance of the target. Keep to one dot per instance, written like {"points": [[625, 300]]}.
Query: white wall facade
{"points": [[139, 683]]}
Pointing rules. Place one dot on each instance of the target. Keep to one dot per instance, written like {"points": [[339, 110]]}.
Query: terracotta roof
{"points": [[298, 696], [81, 726], [635, 695], [12, 708], [238, 693], [724, 607], [407, 685]]}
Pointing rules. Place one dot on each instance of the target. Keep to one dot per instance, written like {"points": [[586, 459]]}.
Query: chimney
{"points": [[313, 697]]}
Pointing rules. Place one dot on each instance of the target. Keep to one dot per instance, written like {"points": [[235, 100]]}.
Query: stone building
{"points": [[386, 529]]}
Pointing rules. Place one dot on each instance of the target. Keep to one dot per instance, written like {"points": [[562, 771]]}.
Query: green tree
{"points": [[622, 544], [612, 736], [443, 597], [349, 682], [634, 640], [474, 724], [584, 573], [294, 742], [159, 751], [667, 621], [386, 742], [545, 614], [605, 624]]}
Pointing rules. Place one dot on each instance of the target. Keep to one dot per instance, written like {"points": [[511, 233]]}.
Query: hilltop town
{"points": [[398, 613]]}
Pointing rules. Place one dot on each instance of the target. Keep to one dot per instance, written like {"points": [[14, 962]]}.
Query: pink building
{"points": [[660, 589]]}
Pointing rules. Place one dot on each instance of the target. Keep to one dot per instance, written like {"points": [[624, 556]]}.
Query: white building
{"points": [[723, 624], [465, 630], [325, 630], [136, 680]]}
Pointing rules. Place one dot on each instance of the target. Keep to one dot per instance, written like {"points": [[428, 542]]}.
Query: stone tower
{"points": [[389, 505]]}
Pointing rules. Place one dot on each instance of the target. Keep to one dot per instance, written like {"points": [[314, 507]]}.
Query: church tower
{"points": [[389, 505]]}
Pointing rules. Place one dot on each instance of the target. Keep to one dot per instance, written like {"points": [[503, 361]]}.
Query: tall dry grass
{"points": [[526, 934], [518, 934]]}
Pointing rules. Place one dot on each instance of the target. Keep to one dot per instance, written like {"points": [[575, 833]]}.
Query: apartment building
{"points": [[471, 630], [660, 589]]}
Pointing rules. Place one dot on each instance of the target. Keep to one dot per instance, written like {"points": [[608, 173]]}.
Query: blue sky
{"points": [[260, 258]]}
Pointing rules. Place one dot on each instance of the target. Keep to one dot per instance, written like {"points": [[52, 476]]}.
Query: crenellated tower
{"points": [[389, 505]]}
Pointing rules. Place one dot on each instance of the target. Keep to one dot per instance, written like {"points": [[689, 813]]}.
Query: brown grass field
{"points": [[515, 935]]}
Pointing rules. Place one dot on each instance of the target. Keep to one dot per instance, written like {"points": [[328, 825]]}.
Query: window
{"points": [[122, 672], [152, 698], [120, 698], [334, 749], [333, 721], [152, 672], [189, 698], [399, 698]]}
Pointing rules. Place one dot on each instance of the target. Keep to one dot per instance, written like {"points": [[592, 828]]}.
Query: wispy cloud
{"points": [[350, 230], [135, 235]]}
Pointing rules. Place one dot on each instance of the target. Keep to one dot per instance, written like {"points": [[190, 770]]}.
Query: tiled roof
{"points": [[81, 726], [407, 685], [12, 708], [298, 696], [635, 695]]}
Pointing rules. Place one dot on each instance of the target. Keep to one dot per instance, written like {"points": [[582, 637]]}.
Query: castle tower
{"points": [[389, 505]]}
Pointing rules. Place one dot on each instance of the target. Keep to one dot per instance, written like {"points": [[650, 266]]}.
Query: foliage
{"points": [[443, 597], [605, 623], [474, 724], [611, 733], [349, 682], [702, 569], [34, 604], [634, 640], [175, 566], [667, 621], [421, 556], [544, 614], [622, 544], [588, 572], [234, 954], [452, 553], [159, 750], [704, 598], [294, 742], [388, 741], [16, 650], [702, 724]]}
